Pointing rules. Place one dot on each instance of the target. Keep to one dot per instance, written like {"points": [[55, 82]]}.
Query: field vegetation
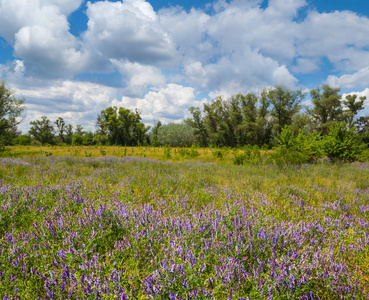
{"points": [[75, 226]]}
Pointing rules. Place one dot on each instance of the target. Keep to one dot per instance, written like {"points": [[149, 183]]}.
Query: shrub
{"points": [[364, 156], [341, 143], [250, 155], [189, 153], [23, 140], [287, 156], [220, 153], [77, 140], [296, 149], [167, 151]]}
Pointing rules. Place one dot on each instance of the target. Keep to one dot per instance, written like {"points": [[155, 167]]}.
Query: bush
{"points": [[189, 153], [77, 140], [287, 156], [341, 143], [307, 144], [250, 155], [24, 140], [364, 156], [35, 143], [220, 153], [167, 151], [296, 149]]}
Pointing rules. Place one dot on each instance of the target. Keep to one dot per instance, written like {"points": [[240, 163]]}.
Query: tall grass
{"points": [[139, 228]]}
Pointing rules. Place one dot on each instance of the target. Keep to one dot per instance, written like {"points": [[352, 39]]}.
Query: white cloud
{"points": [[360, 78], [239, 73], [47, 53], [138, 77], [339, 36], [16, 14], [306, 65], [39, 33], [170, 103], [77, 102], [128, 31]]}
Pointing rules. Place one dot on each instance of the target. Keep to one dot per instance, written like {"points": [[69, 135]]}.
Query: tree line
{"points": [[259, 119], [255, 120]]}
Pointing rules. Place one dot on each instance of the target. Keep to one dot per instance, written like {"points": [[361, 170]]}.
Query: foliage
{"points": [[121, 126], [327, 107], [219, 153], [100, 139], [154, 134], [42, 131], [167, 153], [295, 149], [77, 140], [197, 123], [285, 104], [352, 107], [341, 143], [61, 128], [189, 153], [250, 155], [10, 110], [23, 140], [173, 135]]}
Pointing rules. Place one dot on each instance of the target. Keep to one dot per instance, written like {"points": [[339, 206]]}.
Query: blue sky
{"points": [[73, 58]]}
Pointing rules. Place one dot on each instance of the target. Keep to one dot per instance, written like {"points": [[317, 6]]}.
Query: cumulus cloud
{"points": [[339, 36], [128, 30], [77, 102], [239, 73], [169, 103], [306, 65], [360, 78], [237, 49], [139, 77], [39, 33]]}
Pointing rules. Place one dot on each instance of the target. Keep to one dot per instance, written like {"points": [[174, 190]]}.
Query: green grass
{"points": [[100, 216]]}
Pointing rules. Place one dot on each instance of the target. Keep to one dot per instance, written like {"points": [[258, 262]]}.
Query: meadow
{"points": [[153, 223]]}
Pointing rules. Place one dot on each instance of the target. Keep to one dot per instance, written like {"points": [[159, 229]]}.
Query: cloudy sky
{"points": [[73, 58]]}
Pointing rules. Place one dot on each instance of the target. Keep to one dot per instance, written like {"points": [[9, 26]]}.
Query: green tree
{"points": [[197, 123], [249, 122], [264, 126], [77, 140], [69, 134], [61, 127], [352, 107], [222, 120], [88, 138], [121, 126], [79, 130], [176, 135], [362, 128], [327, 107], [285, 104], [42, 131], [154, 135], [10, 110]]}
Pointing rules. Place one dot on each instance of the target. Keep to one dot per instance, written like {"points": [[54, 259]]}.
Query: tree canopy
{"points": [[10, 110]]}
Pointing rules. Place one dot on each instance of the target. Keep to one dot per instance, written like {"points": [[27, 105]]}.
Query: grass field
{"points": [[135, 223]]}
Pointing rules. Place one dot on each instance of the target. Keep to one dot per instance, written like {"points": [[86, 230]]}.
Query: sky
{"points": [[74, 58]]}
